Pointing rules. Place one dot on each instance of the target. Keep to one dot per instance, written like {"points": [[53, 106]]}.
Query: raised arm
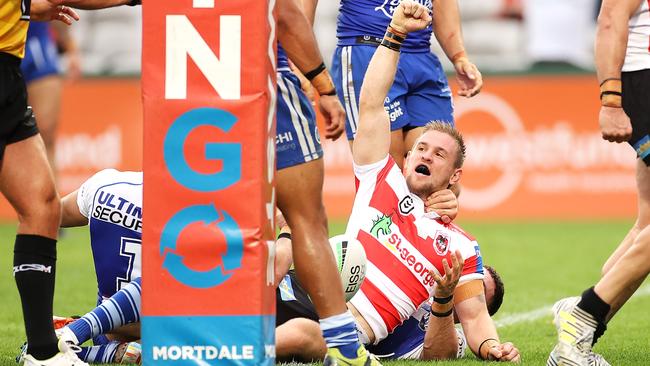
{"points": [[446, 27], [372, 141]]}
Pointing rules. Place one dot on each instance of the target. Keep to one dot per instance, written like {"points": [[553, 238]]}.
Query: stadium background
{"points": [[544, 194]]}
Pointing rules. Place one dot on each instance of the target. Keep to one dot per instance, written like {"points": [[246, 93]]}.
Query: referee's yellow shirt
{"points": [[14, 21]]}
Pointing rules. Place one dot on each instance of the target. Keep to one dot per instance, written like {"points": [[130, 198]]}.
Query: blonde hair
{"points": [[450, 130]]}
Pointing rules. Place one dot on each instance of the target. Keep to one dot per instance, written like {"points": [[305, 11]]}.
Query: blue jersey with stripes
{"points": [[407, 340], [112, 202], [283, 59], [358, 18]]}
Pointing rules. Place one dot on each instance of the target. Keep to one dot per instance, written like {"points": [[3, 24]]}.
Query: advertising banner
{"points": [[208, 94]]}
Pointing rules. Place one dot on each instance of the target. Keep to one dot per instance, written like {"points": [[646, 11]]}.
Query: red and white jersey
{"points": [[404, 245], [637, 56]]}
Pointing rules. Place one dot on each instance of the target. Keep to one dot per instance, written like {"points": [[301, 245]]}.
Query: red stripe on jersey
{"points": [[382, 258], [384, 307], [453, 227], [470, 266]]}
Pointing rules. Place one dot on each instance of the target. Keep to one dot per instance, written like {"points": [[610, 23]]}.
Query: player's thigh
{"points": [[429, 96], [636, 93], [298, 148], [643, 187], [45, 98], [28, 183]]}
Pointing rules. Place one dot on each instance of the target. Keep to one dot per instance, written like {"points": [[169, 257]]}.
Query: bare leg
{"points": [[27, 182], [299, 338], [300, 200], [627, 274], [45, 99]]}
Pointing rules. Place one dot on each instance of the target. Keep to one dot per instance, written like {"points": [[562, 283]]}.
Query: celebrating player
{"points": [[408, 250], [623, 68], [419, 92], [26, 181]]}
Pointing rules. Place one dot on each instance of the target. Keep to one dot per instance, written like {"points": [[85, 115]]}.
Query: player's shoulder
{"points": [[112, 176], [458, 230]]}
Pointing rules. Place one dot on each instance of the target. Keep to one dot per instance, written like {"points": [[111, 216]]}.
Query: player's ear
{"points": [[406, 160], [455, 178]]}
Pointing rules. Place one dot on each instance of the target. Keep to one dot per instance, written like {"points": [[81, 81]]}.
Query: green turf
{"points": [[539, 262]]}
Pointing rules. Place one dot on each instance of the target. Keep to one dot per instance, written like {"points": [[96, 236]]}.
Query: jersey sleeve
{"points": [[372, 171], [86, 193], [473, 266]]}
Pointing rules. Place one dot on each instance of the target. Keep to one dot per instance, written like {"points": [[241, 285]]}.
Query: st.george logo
{"points": [[230, 156]]}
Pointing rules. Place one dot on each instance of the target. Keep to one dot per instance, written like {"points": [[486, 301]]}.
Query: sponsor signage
{"points": [[208, 92]]}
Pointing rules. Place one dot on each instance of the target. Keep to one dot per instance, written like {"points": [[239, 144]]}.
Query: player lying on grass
{"points": [[408, 249], [110, 203], [297, 333]]}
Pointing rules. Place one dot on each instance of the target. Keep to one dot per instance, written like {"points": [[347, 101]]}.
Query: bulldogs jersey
{"points": [[407, 340], [637, 56], [404, 246], [358, 18], [112, 202]]}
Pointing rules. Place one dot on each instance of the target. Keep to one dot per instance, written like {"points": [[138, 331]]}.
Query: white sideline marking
{"points": [[543, 311]]}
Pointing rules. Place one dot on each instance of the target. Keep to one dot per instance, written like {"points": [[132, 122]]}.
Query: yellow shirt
{"points": [[14, 21]]}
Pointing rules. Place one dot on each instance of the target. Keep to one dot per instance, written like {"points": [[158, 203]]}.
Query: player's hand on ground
{"points": [[47, 10], [410, 16], [505, 352], [444, 203], [334, 116], [469, 78], [615, 125], [446, 284]]}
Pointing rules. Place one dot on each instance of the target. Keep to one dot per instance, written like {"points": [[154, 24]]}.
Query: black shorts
{"points": [[17, 121], [636, 104], [292, 301]]}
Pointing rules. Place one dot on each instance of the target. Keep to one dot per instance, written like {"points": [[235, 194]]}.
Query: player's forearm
{"points": [[440, 340], [378, 80], [95, 4], [477, 330], [309, 9], [446, 27], [611, 39], [296, 36]]}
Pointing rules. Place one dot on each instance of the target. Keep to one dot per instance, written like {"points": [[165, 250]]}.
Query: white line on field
{"points": [[543, 311]]}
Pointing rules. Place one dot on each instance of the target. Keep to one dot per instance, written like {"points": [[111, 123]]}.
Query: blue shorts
{"points": [[297, 140], [41, 56], [420, 92]]}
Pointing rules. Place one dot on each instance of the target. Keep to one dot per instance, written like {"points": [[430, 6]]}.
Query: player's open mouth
{"points": [[422, 169]]}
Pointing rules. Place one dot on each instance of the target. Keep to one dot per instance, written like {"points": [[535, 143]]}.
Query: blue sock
{"points": [[340, 332], [99, 354], [120, 309]]}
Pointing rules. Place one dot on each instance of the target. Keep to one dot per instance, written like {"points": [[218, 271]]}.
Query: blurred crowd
{"points": [[500, 35]]}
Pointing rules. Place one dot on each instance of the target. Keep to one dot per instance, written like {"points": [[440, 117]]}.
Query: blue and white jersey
{"points": [[358, 18], [407, 340], [112, 202]]}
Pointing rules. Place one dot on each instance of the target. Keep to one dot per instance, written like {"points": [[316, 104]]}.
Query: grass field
{"points": [[540, 262]]}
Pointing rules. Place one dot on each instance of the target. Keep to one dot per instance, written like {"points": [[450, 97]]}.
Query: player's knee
{"points": [[44, 211]]}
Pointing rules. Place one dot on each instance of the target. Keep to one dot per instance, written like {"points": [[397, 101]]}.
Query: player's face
{"points": [[429, 166]]}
